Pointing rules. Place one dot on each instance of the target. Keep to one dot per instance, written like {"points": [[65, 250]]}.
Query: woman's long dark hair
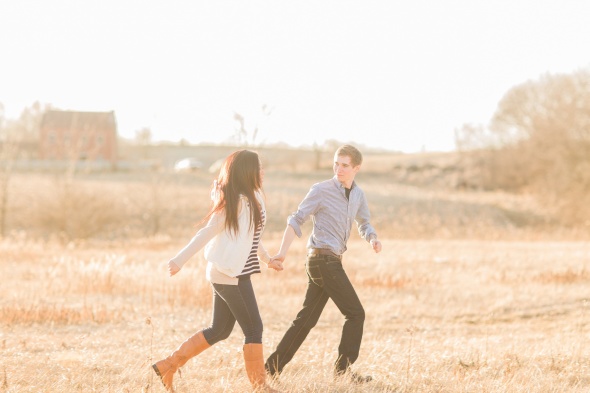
{"points": [[239, 175]]}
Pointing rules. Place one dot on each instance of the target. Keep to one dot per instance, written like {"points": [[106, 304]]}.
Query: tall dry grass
{"points": [[442, 316], [474, 291]]}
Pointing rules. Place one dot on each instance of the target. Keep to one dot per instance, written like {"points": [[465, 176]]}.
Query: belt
{"points": [[314, 252]]}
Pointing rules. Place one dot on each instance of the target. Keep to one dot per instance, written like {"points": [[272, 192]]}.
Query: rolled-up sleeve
{"points": [[306, 208]]}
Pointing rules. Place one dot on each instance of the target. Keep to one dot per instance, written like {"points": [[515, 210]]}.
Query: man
{"points": [[333, 205]]}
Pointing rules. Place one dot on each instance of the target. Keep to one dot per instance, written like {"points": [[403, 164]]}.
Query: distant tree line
{"points": [[538, 141]]}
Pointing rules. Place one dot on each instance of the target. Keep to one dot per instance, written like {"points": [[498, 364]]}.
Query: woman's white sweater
{"points": [[226, 253]]}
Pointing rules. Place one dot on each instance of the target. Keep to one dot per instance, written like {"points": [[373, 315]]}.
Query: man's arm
{"points": [[288, 237], [306, 208], [365, 228]]}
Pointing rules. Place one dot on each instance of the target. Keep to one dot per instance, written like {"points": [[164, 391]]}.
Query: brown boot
{"points": [[254, 360], [167, 367]]}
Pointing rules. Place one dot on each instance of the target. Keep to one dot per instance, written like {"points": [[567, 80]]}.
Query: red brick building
{"points": [[70, 135]]}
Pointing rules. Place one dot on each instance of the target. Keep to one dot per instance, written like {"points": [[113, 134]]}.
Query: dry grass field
{"points": [[442, 316], [473, 292]]}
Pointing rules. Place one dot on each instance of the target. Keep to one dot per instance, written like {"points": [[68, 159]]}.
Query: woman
{"points": [[233, 248]]}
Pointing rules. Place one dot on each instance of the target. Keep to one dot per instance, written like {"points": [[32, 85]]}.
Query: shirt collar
{"points": [[339, 185]]}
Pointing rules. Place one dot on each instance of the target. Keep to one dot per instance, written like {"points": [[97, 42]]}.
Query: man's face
{"points": [[344, 170]]}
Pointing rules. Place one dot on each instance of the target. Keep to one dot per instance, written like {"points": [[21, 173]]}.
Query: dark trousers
{"points": [[326, 280], [233, 303]]}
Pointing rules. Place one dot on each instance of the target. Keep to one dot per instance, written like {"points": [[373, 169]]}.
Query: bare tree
{"points": [[143, 138], [541, 142], [242, 134]]}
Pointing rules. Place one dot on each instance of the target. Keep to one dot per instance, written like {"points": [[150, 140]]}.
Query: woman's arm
{"points": [[263, 255], [214, 226]]}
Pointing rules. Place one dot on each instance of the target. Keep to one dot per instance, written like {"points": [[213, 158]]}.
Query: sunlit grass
{"points": [[472, 292], [442, 316]]}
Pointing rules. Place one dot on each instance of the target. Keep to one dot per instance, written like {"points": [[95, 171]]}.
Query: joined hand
{"points": [[275, 264]]}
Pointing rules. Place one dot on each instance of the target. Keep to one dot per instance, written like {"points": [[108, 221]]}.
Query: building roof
{"points": [[77, 120]]}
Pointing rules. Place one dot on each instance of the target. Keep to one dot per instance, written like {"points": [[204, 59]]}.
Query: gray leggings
{"points": [[233, 303]]}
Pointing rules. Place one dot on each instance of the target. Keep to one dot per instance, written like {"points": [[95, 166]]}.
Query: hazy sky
{"points": [[395, 74]]}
